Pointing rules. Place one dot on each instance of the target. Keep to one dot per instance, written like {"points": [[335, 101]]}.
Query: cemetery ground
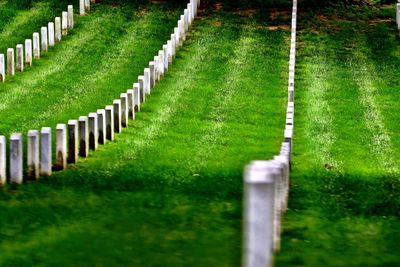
{"points": [[345, 188], [168, 190]]}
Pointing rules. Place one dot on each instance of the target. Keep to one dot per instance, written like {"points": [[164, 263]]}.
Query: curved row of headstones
{"points": [[22, 57], [266, 186], [75, 139]]}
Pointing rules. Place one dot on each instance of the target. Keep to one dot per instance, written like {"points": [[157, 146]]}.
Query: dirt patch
{"points": [[322, 17], [379, 21], [279, 27], [277, 14], [268, 27], [248, 12], [217, 23]]}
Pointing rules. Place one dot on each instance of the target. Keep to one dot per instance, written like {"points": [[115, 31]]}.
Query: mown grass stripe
{"points": [[319, 125], [167, 107], [381, 145], [22, 18], [120, 54], [230, 93]]}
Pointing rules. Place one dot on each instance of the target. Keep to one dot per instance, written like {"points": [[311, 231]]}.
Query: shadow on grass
{"points": [[343, 195]]}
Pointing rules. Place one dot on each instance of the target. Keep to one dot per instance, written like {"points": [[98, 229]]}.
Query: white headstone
{"points": [[36, 45], [83, 136], [93, 131], [3, 160], [177, 38], [101, 125], [165, 57], [50, 28], [2, 68], [173, 44], [64, 23], [117, 115], [131, 104], [10, 62], [288, 135], [73, 141], [398, 15], [193, 10], [61, 147], [147, 81], [45, 152], [82, 7], [157, 72], [181, 25], [284, 160], [291, 94], [87, 5], [124, 109], [33, 154], [141, 86], [285, 151], [276, 170], [45, 43], [161, 66], [258, 217], [57, 29], [136, 96], [169, 51], [70, 16], [152, 74], [186, 19], [20, 58], [16, 165], [190, 13], [110, 122]]}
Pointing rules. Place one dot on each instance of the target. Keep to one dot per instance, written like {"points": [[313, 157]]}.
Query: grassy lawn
{"points": [[20, 18], [345, 194], [100, 59], [168, 191]]}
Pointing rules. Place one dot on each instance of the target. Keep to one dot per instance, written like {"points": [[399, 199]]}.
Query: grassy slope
{"points": [[102, 57], [345, 198], [168, 191], [20, 18]]}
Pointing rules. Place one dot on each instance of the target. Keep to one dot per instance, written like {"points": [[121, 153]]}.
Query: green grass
{"points": [[168, 191], [345, 191]]}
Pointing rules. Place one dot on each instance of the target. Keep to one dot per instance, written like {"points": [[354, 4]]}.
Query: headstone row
{"points": [[266, 185], [78, 137], [73, 140], [39, 156], [19, 59], [398, 16]]}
